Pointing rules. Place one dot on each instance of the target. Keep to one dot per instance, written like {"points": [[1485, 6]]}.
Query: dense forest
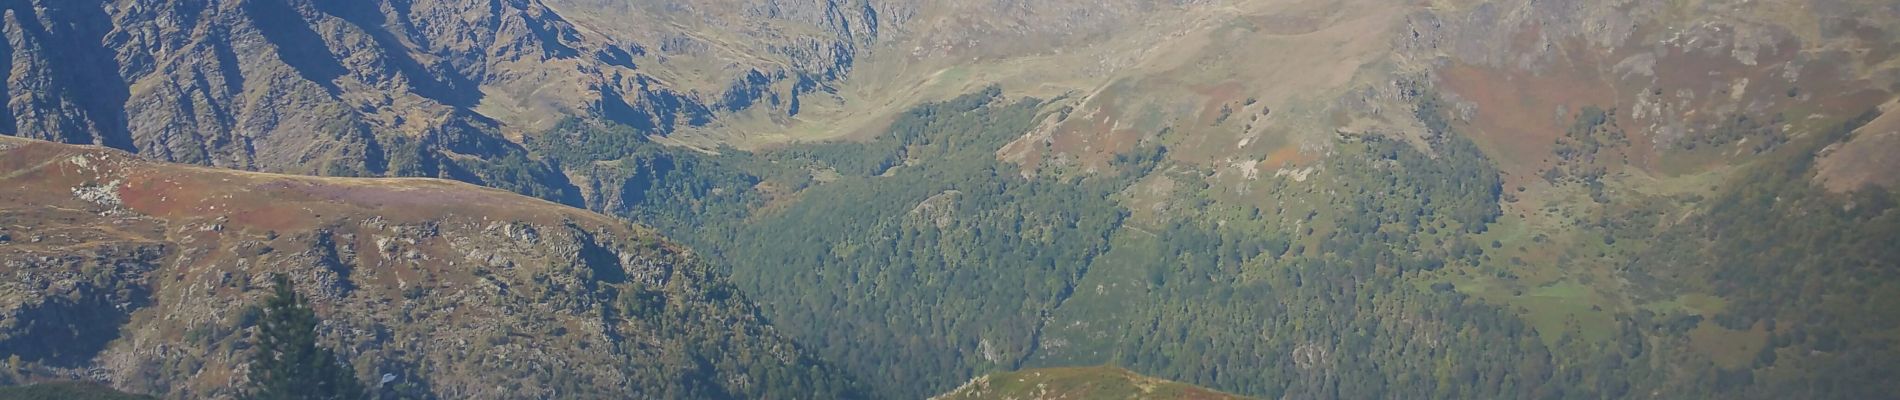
{"points": [[998, 251], [1811, 270], [916, 260]]}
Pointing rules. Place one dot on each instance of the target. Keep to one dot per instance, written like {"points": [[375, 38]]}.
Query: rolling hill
{"points": [[147, 276]]}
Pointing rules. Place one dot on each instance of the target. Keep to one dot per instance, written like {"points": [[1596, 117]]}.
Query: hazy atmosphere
{"points": [[937, 199]]}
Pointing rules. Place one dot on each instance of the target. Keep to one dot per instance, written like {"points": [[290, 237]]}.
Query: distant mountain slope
{"points": [[1077, 384], [144, 275], [435, 88], [451, 88], [1385, 268]]}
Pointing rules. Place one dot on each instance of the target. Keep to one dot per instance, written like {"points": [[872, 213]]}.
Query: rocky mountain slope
{"points": [[1078, 383], [393, 87], [1442, 198], [147, 276], [450, 88]]}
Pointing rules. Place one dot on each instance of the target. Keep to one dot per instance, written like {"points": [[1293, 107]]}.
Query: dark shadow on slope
{"points": [[441, 84], [553, 39], [621, 57], [98, 86], [232, 74], [748, 91], [82, 72], [659, 111], [7, 120], [69, 331], [605, 265], [66, 332], [614, 109], [498, 163], [299, 46]]}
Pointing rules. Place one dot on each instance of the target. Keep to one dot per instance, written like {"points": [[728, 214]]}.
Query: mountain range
{"points": [[890, 198]]}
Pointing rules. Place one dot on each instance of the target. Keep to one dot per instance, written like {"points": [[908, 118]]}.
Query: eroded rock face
{"points": [[336, 88], [333, 88], [446, 289], [432, 88], [61, 83]]}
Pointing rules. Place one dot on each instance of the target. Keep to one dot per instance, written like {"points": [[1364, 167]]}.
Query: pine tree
{"points": [[288, 363]]}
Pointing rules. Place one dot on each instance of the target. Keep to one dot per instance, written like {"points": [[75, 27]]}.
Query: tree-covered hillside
{"points": [[888, 198], [917, 260]]}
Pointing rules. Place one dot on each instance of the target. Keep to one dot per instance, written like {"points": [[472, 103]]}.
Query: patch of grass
{"points": [[1080, 383], [1567, 308], [1727, 347]]}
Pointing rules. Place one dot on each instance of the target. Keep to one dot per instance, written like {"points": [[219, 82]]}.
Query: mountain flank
{"points": [[147, 275]]}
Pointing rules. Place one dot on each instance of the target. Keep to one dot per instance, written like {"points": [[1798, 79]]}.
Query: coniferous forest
{"points": [[919, 252]]}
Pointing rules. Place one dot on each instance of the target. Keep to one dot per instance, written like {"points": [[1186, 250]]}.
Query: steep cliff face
{"points": [[326, 88], [447, 87], [61, 82], [318, 87], [450, 88], [145, 276]]}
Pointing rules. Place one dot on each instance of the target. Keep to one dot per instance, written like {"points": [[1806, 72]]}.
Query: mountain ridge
{"points": [[140, 274], [1282, 198]]}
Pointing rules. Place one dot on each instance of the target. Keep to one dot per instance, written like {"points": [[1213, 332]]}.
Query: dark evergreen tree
{"points": [[289, 364]]}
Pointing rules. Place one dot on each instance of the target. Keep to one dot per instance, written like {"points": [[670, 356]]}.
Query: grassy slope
{"points": [[1079, 383]]}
